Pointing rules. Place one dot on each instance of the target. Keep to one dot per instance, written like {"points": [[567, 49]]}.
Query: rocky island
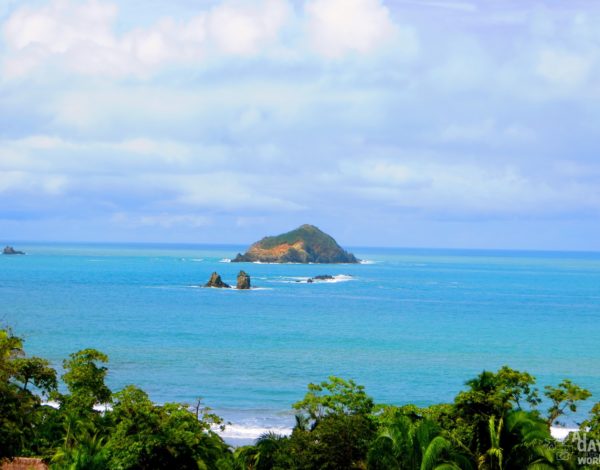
{"points": [[243, 281], [9, 250], [306, 244], [216, 281]]}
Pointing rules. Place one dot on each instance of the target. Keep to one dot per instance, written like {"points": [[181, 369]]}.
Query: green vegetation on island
{"points": [[495, 423], [306, 244]]}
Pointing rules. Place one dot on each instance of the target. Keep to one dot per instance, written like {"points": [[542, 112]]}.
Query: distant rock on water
{"points": [[321, 277], [306, 244], [243, 281], [9, 250], [216, 281]]}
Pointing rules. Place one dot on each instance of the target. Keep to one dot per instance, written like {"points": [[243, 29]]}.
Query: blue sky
{"points": [[424, 123]]}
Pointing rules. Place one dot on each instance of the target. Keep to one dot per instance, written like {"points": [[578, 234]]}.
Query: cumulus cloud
{"points": [[82, 37], [338, 27]]}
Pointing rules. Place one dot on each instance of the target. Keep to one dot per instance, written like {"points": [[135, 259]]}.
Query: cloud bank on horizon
{"points": [[406, 123]]}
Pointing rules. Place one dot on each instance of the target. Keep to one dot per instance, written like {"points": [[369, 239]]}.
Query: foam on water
{"points": [[237, 431]]}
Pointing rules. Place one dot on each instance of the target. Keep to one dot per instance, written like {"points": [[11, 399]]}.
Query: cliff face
{"points": [[306, 244]]}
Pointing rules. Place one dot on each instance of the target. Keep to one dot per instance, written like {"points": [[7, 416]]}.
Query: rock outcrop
{"points": [[9, 250], [306, 244], [320, 277], [216, 281], [243, 280]]}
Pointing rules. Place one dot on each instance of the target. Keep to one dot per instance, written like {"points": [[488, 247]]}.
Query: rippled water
{"points": [[411, 325]]}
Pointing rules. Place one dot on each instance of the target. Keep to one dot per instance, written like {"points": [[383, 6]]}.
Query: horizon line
{"points": [[345, 247]]}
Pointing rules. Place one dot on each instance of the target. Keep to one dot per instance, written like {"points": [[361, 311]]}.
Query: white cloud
{"points": [[338, 27], [485, 131], [46, 154], [35, 183], [432, 185], [81, 37], [163, 220], [245, 30], [564, 68], [223, 190]]}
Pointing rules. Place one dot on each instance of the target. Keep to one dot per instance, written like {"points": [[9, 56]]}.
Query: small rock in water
{"points": [[243, 280], [216, 281], [9, 250], [320, 277], [323, 277]]}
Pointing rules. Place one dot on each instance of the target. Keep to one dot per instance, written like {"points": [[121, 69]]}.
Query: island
{"points": [[9, 250], [216, 281], [243, 281], [306, 244]]}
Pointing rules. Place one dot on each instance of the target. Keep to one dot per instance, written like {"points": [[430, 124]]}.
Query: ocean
{"points": [[410, 325]]}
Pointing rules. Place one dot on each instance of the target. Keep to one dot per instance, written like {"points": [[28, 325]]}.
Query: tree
{"points": [[336, 441], [564, 396], [336, 396], [19, 407], [526, 442], [84, 378], [492, 459], [491, 395], [86, 452], [37, 372], [270, 450], [415, 445], [147, 436], [592, 424], [335, 426]]}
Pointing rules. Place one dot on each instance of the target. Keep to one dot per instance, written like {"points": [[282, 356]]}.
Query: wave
{"points": [[305, 279], [98, 407], [228, 289], [225, 260], [338, 278], [240, 431], [366, 261], [561, 433]]}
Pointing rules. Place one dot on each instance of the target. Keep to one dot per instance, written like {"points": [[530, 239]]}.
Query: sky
{"points": [[410, 123]]}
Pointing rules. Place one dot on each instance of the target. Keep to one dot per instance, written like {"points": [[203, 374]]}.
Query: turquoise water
{"points": [[411, 326]]}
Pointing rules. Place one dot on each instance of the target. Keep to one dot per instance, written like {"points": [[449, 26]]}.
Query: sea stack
{"points": [[306, 244], [216, 281], [9, 250], [243, 280]]}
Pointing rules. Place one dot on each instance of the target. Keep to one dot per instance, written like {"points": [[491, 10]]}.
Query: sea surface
{"points": [[411, 325]]}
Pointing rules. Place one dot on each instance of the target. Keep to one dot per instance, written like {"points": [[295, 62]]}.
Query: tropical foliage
{"points": [[494, 424]]}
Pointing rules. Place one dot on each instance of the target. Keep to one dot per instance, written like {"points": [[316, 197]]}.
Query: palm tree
{"points": [[267, 446], [87, 453], [519, 442], [492, 459], [415, 446], [526, 439]]}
